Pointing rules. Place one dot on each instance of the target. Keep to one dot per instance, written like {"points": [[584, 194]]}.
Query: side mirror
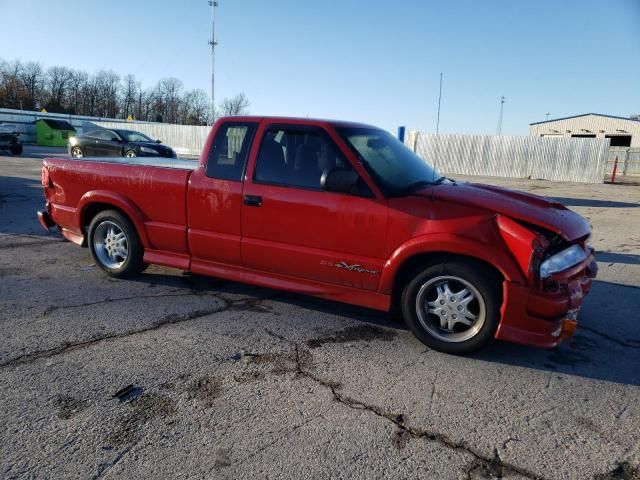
{"points": [[158, 141], [340, 180], [375, 143], [115, 139]]}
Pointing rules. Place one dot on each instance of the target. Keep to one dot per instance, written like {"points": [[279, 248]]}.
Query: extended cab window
{"points": [[297, 158], [228, 154]]}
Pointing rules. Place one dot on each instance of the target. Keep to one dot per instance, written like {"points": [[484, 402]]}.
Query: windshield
{"points": [[395, 168], [131, 136]]}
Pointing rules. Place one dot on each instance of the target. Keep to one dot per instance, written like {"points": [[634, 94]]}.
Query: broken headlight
{"points": [[562, 260]]}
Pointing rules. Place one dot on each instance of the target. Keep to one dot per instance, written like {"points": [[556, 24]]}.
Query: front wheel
{"points": [[16, 149], [76, 152], [130, 154], [115, 245], [453, 307]]}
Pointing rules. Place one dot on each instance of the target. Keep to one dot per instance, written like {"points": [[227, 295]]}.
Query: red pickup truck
{"points": [[342, 211]]}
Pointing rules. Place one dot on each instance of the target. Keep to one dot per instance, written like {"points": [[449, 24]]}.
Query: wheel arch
{"points": [[95, 202], [421, 252], [418, 262]]}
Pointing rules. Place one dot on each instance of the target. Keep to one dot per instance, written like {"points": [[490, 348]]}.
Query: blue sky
{"points": [[366, 60]]}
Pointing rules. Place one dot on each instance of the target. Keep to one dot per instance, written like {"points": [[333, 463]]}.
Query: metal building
{"points": [[621, 131]]}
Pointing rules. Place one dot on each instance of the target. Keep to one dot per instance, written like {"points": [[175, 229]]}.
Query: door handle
{"points": [[252, 200]]}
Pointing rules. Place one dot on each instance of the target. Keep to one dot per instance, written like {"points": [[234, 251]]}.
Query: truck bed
{"points": [[162, 162], [152, 191]]}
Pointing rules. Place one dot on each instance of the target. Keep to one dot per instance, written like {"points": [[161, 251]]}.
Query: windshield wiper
{"points": [[442, 179], [412, 187]]}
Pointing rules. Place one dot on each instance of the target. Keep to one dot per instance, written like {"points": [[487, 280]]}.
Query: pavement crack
{"points": [[7, 246], [495, 465], [105, 468], [172, 319], [53, 308], [433, 391]]}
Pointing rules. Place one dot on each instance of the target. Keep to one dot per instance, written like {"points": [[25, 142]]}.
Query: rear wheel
{"points": [[76, 152], [16, 149], [115, 245], [130, 154], [453, 307]]}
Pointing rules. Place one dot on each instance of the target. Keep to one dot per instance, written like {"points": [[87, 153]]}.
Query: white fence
{"points": [[184, 139], [558, 159], [628, 161]]}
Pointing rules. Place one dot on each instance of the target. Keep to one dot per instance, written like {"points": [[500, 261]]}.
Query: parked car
{"points": [[116, 143], [342, 211], [10, 139]]}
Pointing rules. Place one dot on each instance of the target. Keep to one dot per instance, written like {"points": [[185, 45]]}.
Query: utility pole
{"points": [[213, 44], [499, 132], [439, 100]]}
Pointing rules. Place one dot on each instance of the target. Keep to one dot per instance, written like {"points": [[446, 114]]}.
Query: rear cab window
{"points": [[228, 155]]}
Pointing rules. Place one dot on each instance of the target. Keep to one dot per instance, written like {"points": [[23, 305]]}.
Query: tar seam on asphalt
{"points": [[228, 305], [494, 465]]}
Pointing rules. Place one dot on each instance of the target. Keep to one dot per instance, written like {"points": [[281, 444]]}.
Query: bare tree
{"points": [[103, 94], [129, 94], [234, 106], [13, 93], [108, 86], [168, 98], [58, 82], [33, 78], [77, 87], [194, 108]]}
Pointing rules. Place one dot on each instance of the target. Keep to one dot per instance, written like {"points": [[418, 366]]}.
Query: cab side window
{"points": [[228, 154], [297, 158]]}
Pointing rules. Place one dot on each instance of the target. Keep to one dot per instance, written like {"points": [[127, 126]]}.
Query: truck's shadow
{"points": [[605, 347], [19, 199]]}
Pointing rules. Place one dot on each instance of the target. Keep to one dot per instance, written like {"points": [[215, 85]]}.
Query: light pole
{"points": [[213, 44], [499, 131], [439, 100]]}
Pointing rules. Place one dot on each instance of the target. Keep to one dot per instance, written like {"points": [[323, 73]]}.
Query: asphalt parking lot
{"points": [[228, 380]]}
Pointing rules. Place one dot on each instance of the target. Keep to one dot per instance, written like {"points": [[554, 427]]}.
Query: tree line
{"points": [[29, 86]]}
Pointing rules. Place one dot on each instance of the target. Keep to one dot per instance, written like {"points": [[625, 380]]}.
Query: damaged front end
{"points": [[559, 273]]}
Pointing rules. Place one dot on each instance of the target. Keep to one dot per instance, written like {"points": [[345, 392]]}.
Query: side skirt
{"points": [[338, 293]]}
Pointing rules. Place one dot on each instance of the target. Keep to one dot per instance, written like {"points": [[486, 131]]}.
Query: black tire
{"points": [[16, 149], [130, 154], [428, 285], [76, 152], [132, 264]]}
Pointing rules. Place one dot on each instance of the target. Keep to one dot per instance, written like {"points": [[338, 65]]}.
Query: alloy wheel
{"points": [[450, 308], [110, 245]]}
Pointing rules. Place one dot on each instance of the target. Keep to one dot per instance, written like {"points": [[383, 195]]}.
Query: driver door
{"points": [[291, 226]]}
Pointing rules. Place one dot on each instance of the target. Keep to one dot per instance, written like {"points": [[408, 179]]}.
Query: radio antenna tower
{"points": [[213, 44], [499, 132]]}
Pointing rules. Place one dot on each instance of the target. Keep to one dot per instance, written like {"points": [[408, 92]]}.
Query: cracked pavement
{"points": [[230, 380]]}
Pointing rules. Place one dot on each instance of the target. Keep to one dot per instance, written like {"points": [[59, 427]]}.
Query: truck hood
{"points": [[532, 209]]}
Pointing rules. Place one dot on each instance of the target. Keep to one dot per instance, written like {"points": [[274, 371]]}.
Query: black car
{"points": [[10, 140], [116, 143]]}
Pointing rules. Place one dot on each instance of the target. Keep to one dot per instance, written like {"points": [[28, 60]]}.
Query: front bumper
{"points": [[533, 316], [45, 220]]}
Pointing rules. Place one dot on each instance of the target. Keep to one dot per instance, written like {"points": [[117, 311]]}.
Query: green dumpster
{"points": [[53, 133]]}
